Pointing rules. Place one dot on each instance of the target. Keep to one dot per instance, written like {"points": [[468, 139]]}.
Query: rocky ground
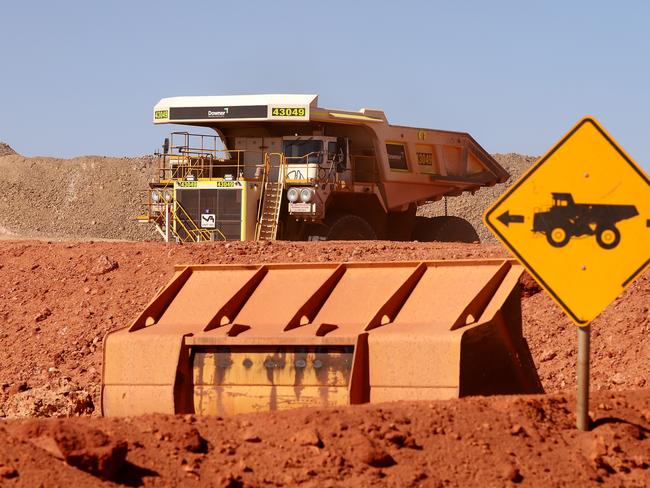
{"points": [[491, 442], [72, 199], [87, 197], [58, 299], [472, 206]]}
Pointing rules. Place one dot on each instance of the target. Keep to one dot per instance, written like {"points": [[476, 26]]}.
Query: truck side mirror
{"points": [[166, 145]]}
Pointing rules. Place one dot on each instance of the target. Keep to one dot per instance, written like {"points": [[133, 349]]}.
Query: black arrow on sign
{"points": [[505, 218]]}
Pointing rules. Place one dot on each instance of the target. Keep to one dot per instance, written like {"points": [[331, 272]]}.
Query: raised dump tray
{"points": [[221, 339]]}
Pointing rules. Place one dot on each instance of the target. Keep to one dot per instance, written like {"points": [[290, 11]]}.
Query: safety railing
{"points": [[204, 156], [260, 204], [193, 231], [274, 193], [297, 168], [194, 143], [172, 220], [231, 166]]}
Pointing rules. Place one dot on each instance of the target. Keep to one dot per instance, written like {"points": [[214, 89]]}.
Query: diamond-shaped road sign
{"points": [[579, 220]]}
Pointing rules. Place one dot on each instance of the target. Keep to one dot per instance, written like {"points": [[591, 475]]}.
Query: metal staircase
{"points": [[269, 210], [191, 231]]}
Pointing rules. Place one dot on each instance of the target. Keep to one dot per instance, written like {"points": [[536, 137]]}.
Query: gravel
{"points": [[96, 197], [89, 197], [472, 207]]}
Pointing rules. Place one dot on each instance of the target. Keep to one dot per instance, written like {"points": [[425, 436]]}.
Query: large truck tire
{"points": [[315, 232], [444, 229], [399, 225], [351, 228]]}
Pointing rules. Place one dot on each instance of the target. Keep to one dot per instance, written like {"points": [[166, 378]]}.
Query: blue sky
{"points": [[81, 77]]}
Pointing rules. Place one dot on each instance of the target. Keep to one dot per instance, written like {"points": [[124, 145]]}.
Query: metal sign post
{"points": [[582, 402], [579, 221]]}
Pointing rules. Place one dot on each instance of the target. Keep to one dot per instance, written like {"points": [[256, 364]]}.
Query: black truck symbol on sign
{"points": [[567, 219]]}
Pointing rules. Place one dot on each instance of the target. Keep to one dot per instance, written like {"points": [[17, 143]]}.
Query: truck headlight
{"points": [[168, 196], [306, 194], [293, 194], [155, 196]]}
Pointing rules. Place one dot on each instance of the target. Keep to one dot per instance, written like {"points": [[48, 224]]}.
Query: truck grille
{"points": [[224, 204]]}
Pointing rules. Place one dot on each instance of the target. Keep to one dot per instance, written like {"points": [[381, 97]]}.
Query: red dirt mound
{"points": [[492, 442], [57, 301]]}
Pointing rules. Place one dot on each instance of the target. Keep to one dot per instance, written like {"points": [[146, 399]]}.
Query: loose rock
{"points": [[62, 398], [104, 265]]}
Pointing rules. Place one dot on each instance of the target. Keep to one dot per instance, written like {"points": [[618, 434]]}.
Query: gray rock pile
{"points": [[472, 207], [89, 197], [95, 197]]}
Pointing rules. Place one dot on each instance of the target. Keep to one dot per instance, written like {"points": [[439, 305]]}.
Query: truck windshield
{"points": [[296, 150]]}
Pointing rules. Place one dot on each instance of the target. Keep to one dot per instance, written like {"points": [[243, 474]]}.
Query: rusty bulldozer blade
{"points": [[223, 339]]}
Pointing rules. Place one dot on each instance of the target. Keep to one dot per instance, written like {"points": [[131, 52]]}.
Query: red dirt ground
{"points": [[492, 442], [57, 301]]}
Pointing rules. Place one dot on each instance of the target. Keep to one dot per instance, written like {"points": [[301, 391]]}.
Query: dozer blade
{"points": [[224, 339]]}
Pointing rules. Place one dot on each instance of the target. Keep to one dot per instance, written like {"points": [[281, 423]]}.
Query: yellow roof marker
{"points": [[355, 117]]}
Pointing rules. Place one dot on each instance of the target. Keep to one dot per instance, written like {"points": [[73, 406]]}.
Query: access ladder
{"points": [[269, 209]]}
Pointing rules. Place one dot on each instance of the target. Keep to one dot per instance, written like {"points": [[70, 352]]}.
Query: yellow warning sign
{"points": [[579, 220]]}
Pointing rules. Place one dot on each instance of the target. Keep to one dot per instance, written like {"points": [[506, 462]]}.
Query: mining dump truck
{"points": [[281, 167], [567, 219], [228, 339]]}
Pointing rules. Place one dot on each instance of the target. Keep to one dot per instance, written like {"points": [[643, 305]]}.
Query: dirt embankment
{"points": [[491, 442], [94, 197], [58, 300], [81, 198]]}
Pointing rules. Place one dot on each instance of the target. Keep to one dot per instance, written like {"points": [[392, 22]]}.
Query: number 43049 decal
{"points": [[288, 112]]}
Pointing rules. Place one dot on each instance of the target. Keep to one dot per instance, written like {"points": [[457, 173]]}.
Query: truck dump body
{"points": [[339, 162], [224, 340]]}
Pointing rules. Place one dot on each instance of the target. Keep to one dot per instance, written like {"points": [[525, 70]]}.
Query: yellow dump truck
{"points": [[281, 167]]}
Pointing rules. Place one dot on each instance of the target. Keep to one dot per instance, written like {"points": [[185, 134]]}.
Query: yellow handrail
{"points": [[265, 172], [178, 166], [278, 190], [205, 234]]}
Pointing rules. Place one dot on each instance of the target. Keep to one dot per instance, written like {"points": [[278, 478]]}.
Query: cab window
{"points": [[296, 150], [397, 157]]}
